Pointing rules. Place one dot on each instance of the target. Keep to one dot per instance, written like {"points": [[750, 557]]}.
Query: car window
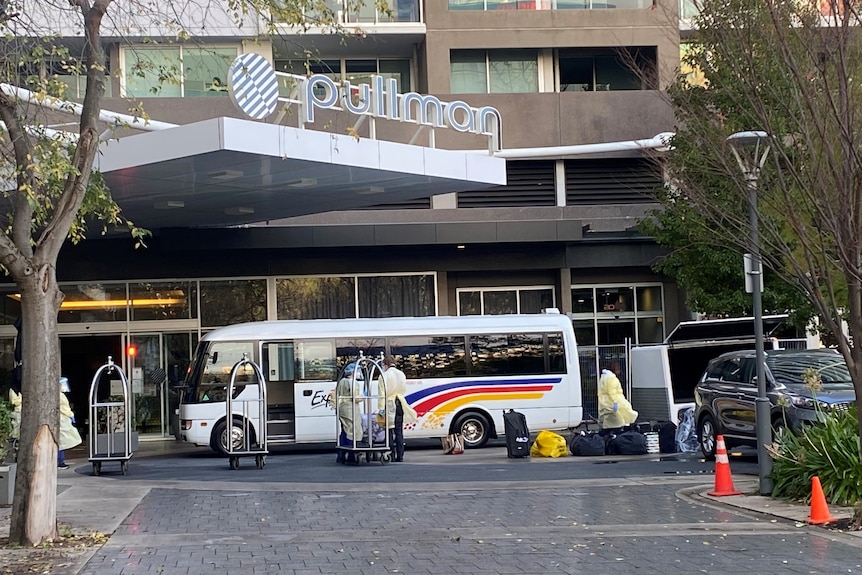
{"points": [[729, 370], [790, 369]]}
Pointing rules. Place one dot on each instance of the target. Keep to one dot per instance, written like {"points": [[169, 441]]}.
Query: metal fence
{"points": [[595, 358]]}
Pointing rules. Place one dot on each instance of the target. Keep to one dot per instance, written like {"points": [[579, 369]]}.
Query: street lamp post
{"points": [[750, 150]]}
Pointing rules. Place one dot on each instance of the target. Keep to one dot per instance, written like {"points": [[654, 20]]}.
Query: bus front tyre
{"points": [[220, 437], [474, 428]]}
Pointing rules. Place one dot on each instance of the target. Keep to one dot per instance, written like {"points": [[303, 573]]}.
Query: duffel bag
{"points": [[627, 443], [586, 444]]}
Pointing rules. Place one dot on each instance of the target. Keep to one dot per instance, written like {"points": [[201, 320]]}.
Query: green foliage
{"points": [[770, 66], [829, 451], [5, 428], [710, 270]]}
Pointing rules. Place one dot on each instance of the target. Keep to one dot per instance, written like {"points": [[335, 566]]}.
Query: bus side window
{"points": [[556, 353], [427, 357], [508, 354], [315, 361]]}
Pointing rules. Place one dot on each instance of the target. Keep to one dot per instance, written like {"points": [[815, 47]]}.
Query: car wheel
{"points": [[474, 428], [707, 436], [220, 437]]}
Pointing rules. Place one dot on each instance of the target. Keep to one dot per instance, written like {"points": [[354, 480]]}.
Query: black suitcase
{"points": [[666, 436], [517, 434], [587, 444], [627, 443]]}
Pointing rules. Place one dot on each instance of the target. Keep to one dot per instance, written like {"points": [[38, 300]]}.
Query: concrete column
{"points": [[565, 303]]}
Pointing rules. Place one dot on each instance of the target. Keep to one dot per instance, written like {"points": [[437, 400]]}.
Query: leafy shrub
{"points": [[5, 428], [829, 451]]}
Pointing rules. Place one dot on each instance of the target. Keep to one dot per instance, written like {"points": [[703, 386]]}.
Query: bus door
{"points": [[314, 389]]}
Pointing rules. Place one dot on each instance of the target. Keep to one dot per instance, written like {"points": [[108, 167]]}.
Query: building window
{"points": [[610, 315], [412, 295], [357, 71], [176, 71], [160, 300], [226, 302], [494, 71], [546, 4], [323, 12], [607, 69], [93, 302], [499, 301]]}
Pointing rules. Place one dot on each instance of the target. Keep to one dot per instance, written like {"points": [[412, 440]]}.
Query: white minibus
{"points": [[462, 373]]}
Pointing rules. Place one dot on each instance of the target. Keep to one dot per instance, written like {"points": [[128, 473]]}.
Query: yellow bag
{"points": [[549, 444]]}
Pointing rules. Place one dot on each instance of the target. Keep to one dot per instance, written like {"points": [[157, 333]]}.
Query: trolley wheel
{"points": [[124, 466], [234, 462], [260, 461], [385, 457], [97, 467]]}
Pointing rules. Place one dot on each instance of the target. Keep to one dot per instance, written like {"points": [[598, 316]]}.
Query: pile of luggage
{"points": [[637, 439]]}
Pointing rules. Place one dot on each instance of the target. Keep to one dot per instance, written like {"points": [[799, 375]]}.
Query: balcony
{"points": [[487, 5], [351, 12]]}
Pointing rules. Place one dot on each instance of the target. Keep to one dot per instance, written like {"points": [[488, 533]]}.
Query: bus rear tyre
{"points": [[474, 428]]}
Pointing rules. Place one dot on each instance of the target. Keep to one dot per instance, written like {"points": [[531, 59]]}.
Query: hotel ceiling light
{"points": [[225, 175], [302, 183], [239, 211]]}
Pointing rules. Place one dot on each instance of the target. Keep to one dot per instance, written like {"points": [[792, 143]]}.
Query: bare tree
{"points": [[789, 69], [54, 193]]}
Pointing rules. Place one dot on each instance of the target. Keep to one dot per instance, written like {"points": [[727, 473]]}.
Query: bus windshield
{"points": [[211, 374]]}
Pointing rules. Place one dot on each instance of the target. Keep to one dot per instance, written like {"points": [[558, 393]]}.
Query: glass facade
{"points": [[613, 314], [504, 300], [412, 295], [548, 4], [357, 71], [226, 302], [177, 71], [493, 71]]}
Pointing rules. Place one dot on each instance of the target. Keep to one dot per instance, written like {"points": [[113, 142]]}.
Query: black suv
{"points": [[727, 390]]}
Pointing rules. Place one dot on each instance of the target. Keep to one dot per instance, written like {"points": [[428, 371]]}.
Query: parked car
{"points": [[726, 393]]}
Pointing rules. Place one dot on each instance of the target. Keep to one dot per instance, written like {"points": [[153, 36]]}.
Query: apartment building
{"points": [[563, 74]]}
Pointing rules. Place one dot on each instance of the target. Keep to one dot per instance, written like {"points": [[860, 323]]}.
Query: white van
{"points": [[663, 376]]}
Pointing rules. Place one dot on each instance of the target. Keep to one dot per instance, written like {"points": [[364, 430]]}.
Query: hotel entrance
{"points": [[149, 360]]}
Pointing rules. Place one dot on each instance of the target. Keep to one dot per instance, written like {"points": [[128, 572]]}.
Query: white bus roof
{"points": [[442, 325]]}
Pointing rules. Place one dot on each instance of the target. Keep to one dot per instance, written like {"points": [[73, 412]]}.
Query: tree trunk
{"points": [[34, 509]]}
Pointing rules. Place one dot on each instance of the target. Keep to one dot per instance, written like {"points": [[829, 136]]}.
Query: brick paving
{"points": [[582, 529]]}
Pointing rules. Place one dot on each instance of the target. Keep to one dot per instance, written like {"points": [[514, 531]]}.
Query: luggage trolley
{"points": [[357, 396], [251, 444], [110, 435]]}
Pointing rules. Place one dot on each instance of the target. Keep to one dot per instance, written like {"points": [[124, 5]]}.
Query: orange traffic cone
{"points": [[723, 479], [819, 509]]}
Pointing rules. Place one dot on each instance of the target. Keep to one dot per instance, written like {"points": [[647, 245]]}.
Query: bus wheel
{"points": [[220, 437], [475, 429]]}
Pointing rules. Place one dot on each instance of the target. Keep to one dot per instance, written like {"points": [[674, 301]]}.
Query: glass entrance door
{"points": [[145, 369], [157, 357]]}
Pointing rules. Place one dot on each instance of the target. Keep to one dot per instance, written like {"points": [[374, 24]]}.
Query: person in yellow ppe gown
{"points": [[615, 411], [69, 436]]}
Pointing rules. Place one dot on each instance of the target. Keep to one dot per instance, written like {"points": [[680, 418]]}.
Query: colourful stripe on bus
{"points": [[457, 394]]}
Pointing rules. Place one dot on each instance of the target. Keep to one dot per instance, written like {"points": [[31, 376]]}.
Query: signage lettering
{"points": [[382, 100]]}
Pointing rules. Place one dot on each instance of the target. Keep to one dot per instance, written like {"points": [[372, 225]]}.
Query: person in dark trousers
{"points": [[392, 386]]}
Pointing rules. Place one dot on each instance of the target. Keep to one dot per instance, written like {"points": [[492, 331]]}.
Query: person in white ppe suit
{"points": [[392, 386], [615, 411], [348, 394], [69, 436]]}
